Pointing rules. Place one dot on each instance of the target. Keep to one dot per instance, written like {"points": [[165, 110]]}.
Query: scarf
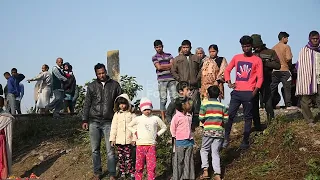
{"points": [[310, 46]]}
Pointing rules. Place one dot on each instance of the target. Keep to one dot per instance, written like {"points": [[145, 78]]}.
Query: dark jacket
{"points": [[184, 70], [270, 62], [69, 86], [1, 89], [99, 101], [58, 78]]}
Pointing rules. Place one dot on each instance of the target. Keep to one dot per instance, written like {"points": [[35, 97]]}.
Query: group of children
{"points": [[129, 130]]}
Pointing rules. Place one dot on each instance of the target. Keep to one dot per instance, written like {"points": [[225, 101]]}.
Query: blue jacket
{"points": [[13, 84]]}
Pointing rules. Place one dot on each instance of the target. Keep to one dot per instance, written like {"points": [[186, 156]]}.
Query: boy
{"points": [[213, 115], [166, 83], [249, 78], [183, 89]]}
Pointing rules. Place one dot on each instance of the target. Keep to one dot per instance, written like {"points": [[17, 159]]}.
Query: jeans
{"points": [[18, 106], [57, 103], [12, 103], [96, 130], [285, 78], [238, 98], [164, 87]]}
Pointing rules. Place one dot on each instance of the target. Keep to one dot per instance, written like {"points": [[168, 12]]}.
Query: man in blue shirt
{"points": [[13, 81]]}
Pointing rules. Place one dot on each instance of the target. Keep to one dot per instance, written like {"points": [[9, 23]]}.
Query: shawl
{"points": [[306, 80]]}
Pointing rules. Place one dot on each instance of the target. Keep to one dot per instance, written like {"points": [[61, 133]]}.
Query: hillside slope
{"points": [[288, 149]]}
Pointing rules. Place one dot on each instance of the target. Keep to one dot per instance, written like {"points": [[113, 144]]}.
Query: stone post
{"points": [[113, 64]]}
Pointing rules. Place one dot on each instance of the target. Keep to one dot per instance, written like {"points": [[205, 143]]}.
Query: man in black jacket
{"points": [[270, 62], [97, 117]]}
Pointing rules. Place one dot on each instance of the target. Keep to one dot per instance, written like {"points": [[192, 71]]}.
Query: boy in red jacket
{"points": [[249, 78]]}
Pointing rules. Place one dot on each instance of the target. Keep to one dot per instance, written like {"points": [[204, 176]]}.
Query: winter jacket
{"points": [[98, 104], [120, 132], [13, 84], [270, 62], [188, 70]]}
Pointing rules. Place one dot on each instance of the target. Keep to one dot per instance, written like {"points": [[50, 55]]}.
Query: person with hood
{"points": [[44, 88], [97, 117], [121, 136], [69, 87], [270, 62], [308, 79]]}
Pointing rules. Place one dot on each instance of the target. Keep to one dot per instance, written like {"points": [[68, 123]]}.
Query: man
{"points": [[283, 75], [270, 62], [13, 88], [186, 67], [58, 78], [308, 72], [18, 99], [166, 83], [249, 78], [97, 117]]}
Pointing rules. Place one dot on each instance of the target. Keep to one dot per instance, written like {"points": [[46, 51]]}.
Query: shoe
{"points": [[112, 178], [217, 177], [291, 108], [312, 124], [244, 145]]}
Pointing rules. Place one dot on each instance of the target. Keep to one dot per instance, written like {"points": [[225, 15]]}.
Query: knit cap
{"points": [[257, 41], [145, 104]]}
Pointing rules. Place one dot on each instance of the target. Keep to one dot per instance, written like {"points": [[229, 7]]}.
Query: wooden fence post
{"points": [[113, 65]]}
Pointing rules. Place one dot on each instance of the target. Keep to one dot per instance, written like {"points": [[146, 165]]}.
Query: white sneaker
{"points": [[292, 108]]}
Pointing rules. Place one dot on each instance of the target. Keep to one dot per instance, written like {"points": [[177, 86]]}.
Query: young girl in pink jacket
{"points": [[183, 164]]}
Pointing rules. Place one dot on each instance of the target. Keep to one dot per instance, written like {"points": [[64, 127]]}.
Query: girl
{"points": [[69, 88], [145, 128], [121, 136], [183, 164]]}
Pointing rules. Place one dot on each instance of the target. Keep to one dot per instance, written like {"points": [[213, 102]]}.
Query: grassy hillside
{"points": [[59, 149]]}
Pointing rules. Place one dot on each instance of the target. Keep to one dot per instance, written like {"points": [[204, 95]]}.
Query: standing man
{"points": [[166, 83], [58, 78], [18, 99], [97, 117], [283, 75], [308, 72], [186, 67], [249, 78], [270, 62], [13, 88]]}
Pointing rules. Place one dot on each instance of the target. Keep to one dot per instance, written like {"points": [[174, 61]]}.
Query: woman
{"points": [[212, 71], [69, 87], [45, 80]]}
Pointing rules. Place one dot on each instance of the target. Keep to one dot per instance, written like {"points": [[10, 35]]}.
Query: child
{"points": [[121, 136], [183, 165], [183, 89], [145, 129], [213, 114]]}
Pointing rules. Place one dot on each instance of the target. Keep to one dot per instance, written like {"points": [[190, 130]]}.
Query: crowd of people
{"points": [[60, 84], [195, 83]]}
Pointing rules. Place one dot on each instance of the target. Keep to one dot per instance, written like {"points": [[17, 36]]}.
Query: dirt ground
{"points": [[283, 151]]}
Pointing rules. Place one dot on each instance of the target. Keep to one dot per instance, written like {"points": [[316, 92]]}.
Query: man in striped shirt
{"points": [[213, 115], [163, 62]]}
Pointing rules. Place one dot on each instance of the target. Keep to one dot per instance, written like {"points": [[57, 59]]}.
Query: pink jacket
{"points": [[181, 126]]}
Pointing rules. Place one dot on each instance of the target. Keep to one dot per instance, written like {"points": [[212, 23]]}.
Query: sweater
{"points": [[214, 115], [58, 78], [145, 128], [180, 127], [120, 132], [249, 72]]}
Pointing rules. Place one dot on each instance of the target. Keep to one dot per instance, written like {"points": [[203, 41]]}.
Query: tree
{"points": [[129, 85]]}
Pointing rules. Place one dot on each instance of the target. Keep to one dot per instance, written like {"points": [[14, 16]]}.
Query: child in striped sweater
{"points": [[213, 115]]}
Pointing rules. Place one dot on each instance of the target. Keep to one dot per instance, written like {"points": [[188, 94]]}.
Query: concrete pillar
{"points": [[113, 64]]}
